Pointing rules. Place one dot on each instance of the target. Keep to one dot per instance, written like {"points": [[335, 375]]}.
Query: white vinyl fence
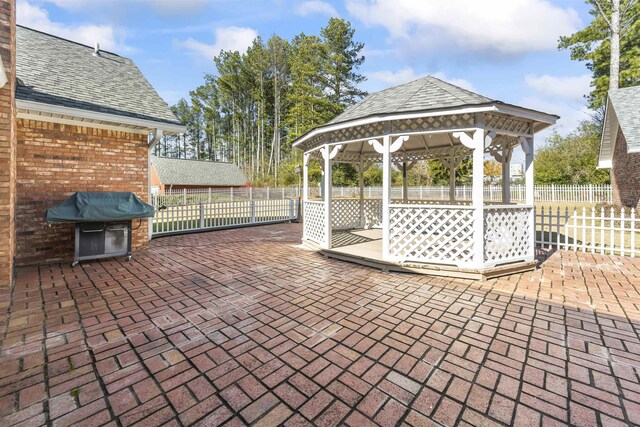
{"points": [[492, 193], [604, 231], [543, 193]]}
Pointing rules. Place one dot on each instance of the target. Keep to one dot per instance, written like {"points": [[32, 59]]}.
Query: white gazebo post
{"points": [[477, 143], [326, 154], [405, 184], [452, 178], [477, 198], [361, 184], [527, 147], [506, 174], [305, 189], [386, 193]]}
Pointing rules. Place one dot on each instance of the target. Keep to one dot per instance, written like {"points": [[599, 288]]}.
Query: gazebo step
{"points": [[432, 269]]}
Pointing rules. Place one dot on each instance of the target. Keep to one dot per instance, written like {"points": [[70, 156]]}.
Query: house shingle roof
{"points": [[426, 93], [173, 171], [626, 104], [52, 70]]}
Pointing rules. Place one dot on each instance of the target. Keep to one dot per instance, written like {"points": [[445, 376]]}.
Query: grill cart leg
{"points": [[74, 263]]}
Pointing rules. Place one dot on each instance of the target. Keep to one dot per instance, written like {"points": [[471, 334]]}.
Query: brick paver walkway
{"points": [[242, 326]]}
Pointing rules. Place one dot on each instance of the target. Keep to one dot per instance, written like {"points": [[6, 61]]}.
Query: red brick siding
{"points": [[53, 162], [625, 174], [7, 141], [155, 179]]}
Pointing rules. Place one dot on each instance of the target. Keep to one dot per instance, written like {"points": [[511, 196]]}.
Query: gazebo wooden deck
{"points": [[397, 127]]}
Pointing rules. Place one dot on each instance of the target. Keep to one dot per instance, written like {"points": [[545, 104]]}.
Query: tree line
{"points": [[258, 102]]}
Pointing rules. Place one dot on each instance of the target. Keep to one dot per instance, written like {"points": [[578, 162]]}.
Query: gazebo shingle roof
{"points": [[426, 93], [173, 171], [55, 71]]}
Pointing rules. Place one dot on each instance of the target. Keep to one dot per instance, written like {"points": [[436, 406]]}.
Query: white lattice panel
{"points": [[372, 213], [345, 214], [431, 234], [314, 221], [507, 235]]}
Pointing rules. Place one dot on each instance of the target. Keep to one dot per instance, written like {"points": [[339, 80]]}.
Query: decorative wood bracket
{"points": [[488, 139], [525, 143], [465, 139], [395, 146], [365, 167], [331, 153], [376, 146]]}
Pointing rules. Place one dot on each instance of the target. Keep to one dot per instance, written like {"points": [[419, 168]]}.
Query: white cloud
{"points": [[407, 74], [393, 78], [312, 7], [163, 6], [494, 27], [226, 38], [37, 18], [567, 87]]}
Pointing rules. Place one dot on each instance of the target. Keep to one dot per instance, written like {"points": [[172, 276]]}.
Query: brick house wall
{"points": [[53, 162], [625, 174], [7, 141]]}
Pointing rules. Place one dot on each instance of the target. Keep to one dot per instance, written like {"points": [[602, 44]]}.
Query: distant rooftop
{"points": [[172, 171], [626, 104], [60, 72]]}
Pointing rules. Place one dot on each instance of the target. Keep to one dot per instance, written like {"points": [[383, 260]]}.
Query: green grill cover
{"points": [[87, 206]]}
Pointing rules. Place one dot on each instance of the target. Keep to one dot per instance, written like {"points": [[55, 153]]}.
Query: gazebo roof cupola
{"points": [[428, 111]]}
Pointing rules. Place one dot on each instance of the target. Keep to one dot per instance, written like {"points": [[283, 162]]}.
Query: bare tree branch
{"points": [[627, 23], [602, 13]]}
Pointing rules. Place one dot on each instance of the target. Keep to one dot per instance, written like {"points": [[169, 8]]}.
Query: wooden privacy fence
{"points": [[604, 231], [178, 219]]}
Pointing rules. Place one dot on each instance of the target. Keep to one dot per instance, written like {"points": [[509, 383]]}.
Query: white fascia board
{"points": [[513, 110], [608, 137], [525, 113], [97, 116], [605, 164]]}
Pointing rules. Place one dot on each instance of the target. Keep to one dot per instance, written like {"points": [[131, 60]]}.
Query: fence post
{"points": [[252, 207], [590, 193], [184, 196], [291, 209], [201, 215]]}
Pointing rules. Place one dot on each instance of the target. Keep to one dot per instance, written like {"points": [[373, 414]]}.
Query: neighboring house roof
{"points": [[622, 112], [58, 72], [173, 171]]}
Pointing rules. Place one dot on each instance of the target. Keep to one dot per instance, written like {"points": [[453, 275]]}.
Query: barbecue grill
{"points": [[102, 222]]}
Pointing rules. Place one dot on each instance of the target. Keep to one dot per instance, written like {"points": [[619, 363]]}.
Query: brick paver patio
{"points": [[242, 326]]}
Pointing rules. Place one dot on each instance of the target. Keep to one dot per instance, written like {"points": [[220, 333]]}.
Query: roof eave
{"points": [[166, 127], [495, 106]]}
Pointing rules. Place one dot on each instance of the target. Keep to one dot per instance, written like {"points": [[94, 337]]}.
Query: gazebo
{"points": [[397, 127]]}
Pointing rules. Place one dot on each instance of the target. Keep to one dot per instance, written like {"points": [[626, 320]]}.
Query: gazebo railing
{"points": [[314, 221], [432, 234], [507, 234]]}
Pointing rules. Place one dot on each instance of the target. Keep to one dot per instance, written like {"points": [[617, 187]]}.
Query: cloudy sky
{"points": [[504, 49]]}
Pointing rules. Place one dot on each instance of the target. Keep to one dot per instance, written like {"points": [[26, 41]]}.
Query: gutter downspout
{"points": [[152, 143]]}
